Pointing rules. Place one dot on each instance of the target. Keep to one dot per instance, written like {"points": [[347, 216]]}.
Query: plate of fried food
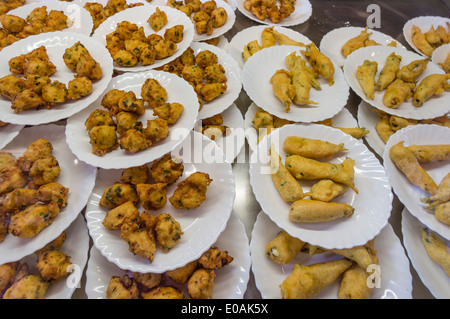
{"points": [[42, 17], [259, 122], [398, 82], [51, 76], [212, 72], [44, 185], [225, 267], [52, 272], [211, 18], [283, 13], [378, 269], [441, 57], [145, 37], [161, 215], [382, 125], [227, 130], [426, 33], [341, 42], [417, 163], [140, 117], [427, 252], [253, 39], [317, 183], [300, 84]]}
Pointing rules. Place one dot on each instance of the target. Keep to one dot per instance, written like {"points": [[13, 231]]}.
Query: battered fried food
{"points": [[126, 121], [210, 91], [283, 39], [430, 152], [136, 174], [398, 92], [305, 282], [103, 139], [174, 34], [35, 150], [111, 100], [54, 93], [182, 274], [419, 40], [436, 249], [169, 112], [7, 275], [287, 186], [157, 20], [11, 178], [283, 88], [122, 287], [156, 130], [201, 284], [326, 190], [442, 213], [17, 199], [214, 258], [168, 232], [115, 217], [153, 93], [147, 280], [191, 192], [140, 238], [389, 71], [53, 265], [27, 100], [250, 48], [354, 284], [11, 85], [55, 244], [442, 195], [355, 43], [311, 148], [407, 163], [166, 170], [412, 70], [366, 77], [134, 141], [152, 196], [319, 62], [163, 292], [301, 79], [118, 194], [446, 64], [98, 117], [53, 192], [32, 220], [434, 84], [283, 248], [29, 287], [79, 87], [314, 211]]}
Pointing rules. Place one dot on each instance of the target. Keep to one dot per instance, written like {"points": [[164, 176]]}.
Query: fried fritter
{"points": [[191, 192]]}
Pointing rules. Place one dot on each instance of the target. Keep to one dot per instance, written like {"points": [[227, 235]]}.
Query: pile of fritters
{"points": [[31, 198], [38, 21], [263, 9], [119, 124], [430, 40], [196, 278], [18, 281]]}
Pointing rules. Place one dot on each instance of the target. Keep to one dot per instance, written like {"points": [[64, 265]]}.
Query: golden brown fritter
{"points": [[55, 244], [156, 130], [29, 287], [141, 240], [163, 292], [17, 199], [98, 117], [215, 258], [11, 178], [152, 196], [166, 170], [103, 139], [44, 170], [118, 194], [53, 265], [122, 287], [147, 280], [136, 175], [53, 192], [169, 112], [168, 232], [115, 217], [201, 284], [134, 141], [191, 192], [35, 150]]}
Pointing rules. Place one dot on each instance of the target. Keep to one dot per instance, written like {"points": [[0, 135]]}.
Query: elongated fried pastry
{"points": [[397, 92], [412, 70], [365, 74], [442, 195], [288, 187], [389, 71], [320, 62], [283, 248], [436, 249], [283, 88], [431, 152], [283, 39], [442, 213], [419, 40], [354, 284], [434, 84], [305, 282], [311, 148], [315, 211], [301, 80], [355, 43], [326, 190], [268, 39], [407, 163]]}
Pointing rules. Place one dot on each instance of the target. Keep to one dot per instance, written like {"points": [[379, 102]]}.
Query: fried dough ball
{"points": [[16, 64], [192, 74], [53, 192], [219, 16], [37, 15], [53, 265], [157, 20], [174, 33], [111, 100], [201, 284], [210, 91], [215, 73], [125, 59], [187, 57], [115, 217], [11, 85], [29, 287], [122, 287], [57, 20], [126, 121], [166, 170], [27, 100], [12, 23], [148, 55], [215, 258], [134, 141], [11, 178], [98, 117], [169, 112], [129, 103], [79, 87], [17, 199], [141, 240], [163, 292], [164, 49], [35, 150], [44, 170], [152, 196], [54, 92], [168, 232], [191, 192], [147, 280], [36, 82], [88, 67], [103, 139], [136, 175], [156, 130], [37, 66], [153, 93], [32, 220], [6, 160], [118, 194]]}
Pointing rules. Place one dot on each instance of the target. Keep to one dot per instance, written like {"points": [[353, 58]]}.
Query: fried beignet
{"points": [[103, 139], [53, 192], [118, 194], [27, 100], [79, 87], [319, 62], [153, 93], [191, 192], [53, 265], [122, 287], [29, 287], [115, 217], [168, 232], [166, 170], [201, 284], [152, 196]]}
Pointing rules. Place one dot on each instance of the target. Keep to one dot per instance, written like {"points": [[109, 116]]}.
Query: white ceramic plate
{"points": [[396, 280], [231, 19], [343, 119], [76, 246], [424, 23], [440, 54], [434, 107], [8, 133], [82, 20], [301, 14], [232, 143], [243, 37], [56, 43], [201, 226], [234, 81], [431, 274], [333, 41], [370, 214], [409, 194], [77, 176], [178, 91], [139, 16], [256, 76], [230, 281], [368, 118]]}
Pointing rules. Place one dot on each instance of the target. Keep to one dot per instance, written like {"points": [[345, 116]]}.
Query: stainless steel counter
{"points": [[326, 16]]}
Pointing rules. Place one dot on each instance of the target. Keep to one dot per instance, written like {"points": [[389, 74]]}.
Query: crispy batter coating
{"points": [[53, 265], [29, 287], [152, 196], [191, 192], [7, 275], [148, 280], [44, 170], [55, 244], [201, 284], [169, 112], [166, 170], [118, 194], [98, 117], [136, 175], [156, 130], [122, 287], [17, 199], [53, 192], [11, 178], [182, 274], [103, 139], [115, 217], [163, 292], [141, 240], [134, 141], [215, 258], [168, 232]]}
